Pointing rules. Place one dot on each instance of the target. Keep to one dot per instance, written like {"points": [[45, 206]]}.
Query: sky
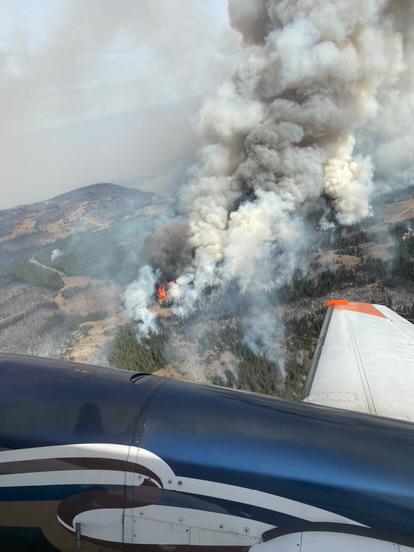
{"points": [[102, 90]]}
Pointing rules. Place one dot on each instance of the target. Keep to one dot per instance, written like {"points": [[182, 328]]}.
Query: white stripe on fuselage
{"points": [[261, 500], [158, 466], [69, 477]]}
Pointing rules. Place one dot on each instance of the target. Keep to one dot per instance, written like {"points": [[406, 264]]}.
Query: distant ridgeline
{"points": [[97, 231]]}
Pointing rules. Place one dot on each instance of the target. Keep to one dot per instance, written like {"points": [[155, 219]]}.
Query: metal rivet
{"points": [[180, 483], [221, 526], [246, 529]]}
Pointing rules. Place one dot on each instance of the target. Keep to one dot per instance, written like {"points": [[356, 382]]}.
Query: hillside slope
{"points": [[63, 263]]}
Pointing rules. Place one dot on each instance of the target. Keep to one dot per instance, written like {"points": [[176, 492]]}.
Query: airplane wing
{"points": [[364, 361]]}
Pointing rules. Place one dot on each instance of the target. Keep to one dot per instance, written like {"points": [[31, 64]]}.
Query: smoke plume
{"points": [[169, 248], [137, 297], [298, 119]]}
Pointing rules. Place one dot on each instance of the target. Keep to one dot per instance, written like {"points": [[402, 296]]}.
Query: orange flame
{"points": [[162, 294]]}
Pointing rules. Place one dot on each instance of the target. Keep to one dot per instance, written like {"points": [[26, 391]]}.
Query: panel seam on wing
{"points": [[362, 374]]}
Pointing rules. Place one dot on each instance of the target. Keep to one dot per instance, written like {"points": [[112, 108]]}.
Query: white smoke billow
{"points": [[320, 79], [56, 253], [348, 182], [138, 296]]}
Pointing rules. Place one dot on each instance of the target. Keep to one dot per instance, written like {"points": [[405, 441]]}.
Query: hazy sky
{"points": [[104, 90]]}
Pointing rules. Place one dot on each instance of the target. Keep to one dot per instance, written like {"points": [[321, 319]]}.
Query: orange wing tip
{"points": [[363, 308], [332, 303]]}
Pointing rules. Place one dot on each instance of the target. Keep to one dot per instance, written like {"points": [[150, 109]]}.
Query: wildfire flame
{"points": [[161, 293]]}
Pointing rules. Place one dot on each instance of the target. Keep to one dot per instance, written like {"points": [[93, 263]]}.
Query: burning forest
{"points": [[295, 145]]}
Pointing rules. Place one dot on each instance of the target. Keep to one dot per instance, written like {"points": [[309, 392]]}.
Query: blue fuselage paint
{"points": [[358, 466]]}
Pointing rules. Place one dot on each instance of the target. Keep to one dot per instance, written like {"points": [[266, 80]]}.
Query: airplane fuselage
{"points": [[91, 461]]}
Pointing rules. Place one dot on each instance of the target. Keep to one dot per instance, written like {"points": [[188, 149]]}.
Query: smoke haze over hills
{"points": [[102, 91]]}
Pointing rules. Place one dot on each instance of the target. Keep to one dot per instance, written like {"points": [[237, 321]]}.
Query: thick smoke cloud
{"points": [[300, 118], [137, 296], [169, 248], [390, 135]]}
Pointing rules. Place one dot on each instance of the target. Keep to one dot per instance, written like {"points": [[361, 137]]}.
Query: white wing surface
{"points": [[364, 361]]}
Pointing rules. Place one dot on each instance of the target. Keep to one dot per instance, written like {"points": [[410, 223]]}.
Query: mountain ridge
{"points": [[89, 192]]}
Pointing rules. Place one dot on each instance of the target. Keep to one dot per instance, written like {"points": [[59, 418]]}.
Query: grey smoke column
{"points": [[283, 130]]}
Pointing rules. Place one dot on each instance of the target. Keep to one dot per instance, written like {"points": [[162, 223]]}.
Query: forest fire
{"points": [[161, 293]]}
